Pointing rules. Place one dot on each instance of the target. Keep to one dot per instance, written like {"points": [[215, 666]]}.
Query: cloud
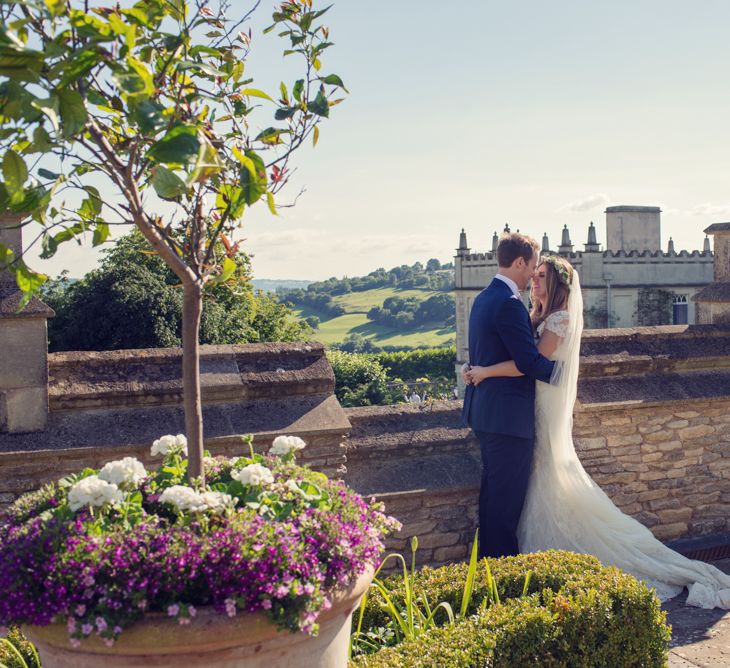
{"points": [[594, 201], [709, 209]]}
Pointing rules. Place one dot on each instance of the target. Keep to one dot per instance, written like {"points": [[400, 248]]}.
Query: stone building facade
{"points": [[631, 282]]}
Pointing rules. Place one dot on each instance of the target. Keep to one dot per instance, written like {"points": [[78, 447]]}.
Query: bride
{"points": [[565, 509]]}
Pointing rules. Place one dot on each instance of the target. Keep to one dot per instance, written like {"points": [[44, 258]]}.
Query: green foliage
{"points": [[654, 307], [432, 363], [134, 300], [359, 381], [17, 652], [144, 101], [571, 612]]}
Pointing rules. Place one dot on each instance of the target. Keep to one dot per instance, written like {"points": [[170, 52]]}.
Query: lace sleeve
{"points": [[558, 323]]}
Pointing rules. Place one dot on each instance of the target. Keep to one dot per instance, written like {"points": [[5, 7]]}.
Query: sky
{"points": [[476, 114]]}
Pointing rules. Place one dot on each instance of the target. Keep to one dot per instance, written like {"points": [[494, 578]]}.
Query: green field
{"points": [[357, 304]]}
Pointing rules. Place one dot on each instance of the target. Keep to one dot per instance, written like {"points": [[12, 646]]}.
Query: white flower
{"points": [[218, 502], [186, 499], [121, 471], [93, 491], [183, 498], [164, 444], [283, 445], [253, 474]]}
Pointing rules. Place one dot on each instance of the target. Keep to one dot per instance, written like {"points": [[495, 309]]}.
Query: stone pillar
{"points": [[23, 346], [713, 302]]}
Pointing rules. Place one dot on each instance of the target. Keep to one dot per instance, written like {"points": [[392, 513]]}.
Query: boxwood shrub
{"points": [[576, 613]]}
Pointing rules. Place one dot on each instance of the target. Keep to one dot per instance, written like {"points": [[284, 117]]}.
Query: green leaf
{"points": [[41, 141], [255, 92], [333, 80], [178, 147], [205, 68], [320, 106], [47, 174], [284, 93], [81, 63], [271, 136], [166, 183], [91, 206], [73, 112], [56, 7], [101, 233], [315, 135], [231, 198], [15, 172], [20, 64], [148, 117], [285, 112], [49, 107], [253, 177], [271, 203], [297, 90], [28, 281], [207, 164]]}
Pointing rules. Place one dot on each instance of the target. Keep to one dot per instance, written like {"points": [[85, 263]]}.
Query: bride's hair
{"points": [[558, 275]]}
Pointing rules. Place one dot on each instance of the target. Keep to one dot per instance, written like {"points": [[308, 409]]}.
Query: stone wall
{"points": [[113, 404], [652, 426]]}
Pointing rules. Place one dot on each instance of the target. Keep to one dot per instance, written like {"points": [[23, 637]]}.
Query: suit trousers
{"points": [[506, 466]]}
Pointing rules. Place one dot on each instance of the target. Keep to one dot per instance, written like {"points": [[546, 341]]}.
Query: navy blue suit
{"points": [[501, 411]]}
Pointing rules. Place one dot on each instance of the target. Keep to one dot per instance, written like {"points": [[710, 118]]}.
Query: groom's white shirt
{"points": [[511, 285]]}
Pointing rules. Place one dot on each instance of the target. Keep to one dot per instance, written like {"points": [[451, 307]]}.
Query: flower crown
{"points": [[565, 274]]}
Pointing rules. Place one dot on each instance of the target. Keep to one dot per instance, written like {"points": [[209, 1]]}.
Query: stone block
{"points": [[650, 429], [668, 446], [590, 443], [24, 343], [438, 540], [416, 529], [676, 424], [453, 553], [659, 436], [615, 421], [665, 532], [652, 457], [24, 409], [695, 432], [687, 414]]}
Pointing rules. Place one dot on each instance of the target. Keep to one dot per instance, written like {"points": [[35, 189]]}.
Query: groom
{"points": [[501, 411]]}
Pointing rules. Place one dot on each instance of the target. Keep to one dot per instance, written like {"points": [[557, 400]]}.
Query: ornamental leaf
{"points": [[15, 172], [166, 183], [73, 112], [178, 147], [255, 92], [320, 106], [253, 177]]}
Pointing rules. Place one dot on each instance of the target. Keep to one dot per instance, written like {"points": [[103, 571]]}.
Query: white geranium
{"points": [[283, 445], [186, 499], [253, 474], [164, 444], [218, 502], [128, 470], [93, 491]]}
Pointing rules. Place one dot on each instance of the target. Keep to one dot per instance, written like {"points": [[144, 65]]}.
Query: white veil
{"points": [[565, 509]]}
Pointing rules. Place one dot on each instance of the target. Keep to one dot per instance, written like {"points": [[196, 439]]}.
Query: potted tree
{"points": [[146, 115]]}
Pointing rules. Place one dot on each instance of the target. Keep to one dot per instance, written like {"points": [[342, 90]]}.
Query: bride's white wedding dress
{"points": [[566, 510]]}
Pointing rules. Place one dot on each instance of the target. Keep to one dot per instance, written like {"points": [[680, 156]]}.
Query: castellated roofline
{"points": [[696, 254]]}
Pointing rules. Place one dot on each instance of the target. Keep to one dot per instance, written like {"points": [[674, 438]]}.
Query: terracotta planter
{"points": [[212, 640]]}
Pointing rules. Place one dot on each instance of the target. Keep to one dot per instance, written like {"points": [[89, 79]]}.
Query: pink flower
{"points": [[75, 642], [266, 604], [109, 642], [172, 610], [101, 624], [183, 620], [192, 611], [80, 610], [86, 629]]}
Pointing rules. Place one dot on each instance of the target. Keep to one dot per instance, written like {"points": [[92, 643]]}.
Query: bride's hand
{"points": [[477, 374]]}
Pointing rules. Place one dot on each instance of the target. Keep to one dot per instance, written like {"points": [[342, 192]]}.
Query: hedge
{"points": [[429, 363], [576, 613]]}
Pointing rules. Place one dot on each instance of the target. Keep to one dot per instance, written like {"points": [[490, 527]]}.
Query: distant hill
{"points": [[271, 285], [404, 307]]}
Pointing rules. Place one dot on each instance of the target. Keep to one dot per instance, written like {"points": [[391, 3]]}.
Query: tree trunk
{"points": [[192, 310]]}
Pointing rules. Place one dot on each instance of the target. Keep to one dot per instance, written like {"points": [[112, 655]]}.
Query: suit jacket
{"points": [[500, 330]]}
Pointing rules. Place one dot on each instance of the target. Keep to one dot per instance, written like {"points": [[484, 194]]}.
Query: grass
{"points": [[357, 304]]}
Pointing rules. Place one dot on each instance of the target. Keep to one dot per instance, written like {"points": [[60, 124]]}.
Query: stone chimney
{"points": [[463, 249], [24, 346], [495, 243], [566, 246], [713, 302], [592, 245]]}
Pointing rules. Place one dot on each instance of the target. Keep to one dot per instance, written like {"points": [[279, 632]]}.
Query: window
{"points": [[679, 310]]}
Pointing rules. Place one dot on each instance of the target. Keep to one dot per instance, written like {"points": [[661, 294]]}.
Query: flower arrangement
{"points": [[100, 549]]}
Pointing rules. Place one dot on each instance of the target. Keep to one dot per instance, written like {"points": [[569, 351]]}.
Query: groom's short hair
{"points": [[513, 245]]}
